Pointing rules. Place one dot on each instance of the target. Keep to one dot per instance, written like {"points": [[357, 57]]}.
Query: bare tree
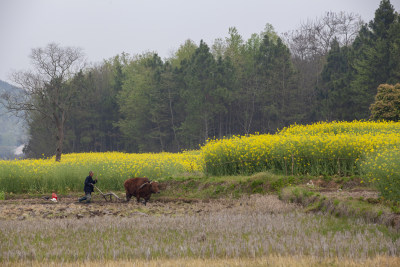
{"points": [[45, 88], [311, 42], [314, 37]]}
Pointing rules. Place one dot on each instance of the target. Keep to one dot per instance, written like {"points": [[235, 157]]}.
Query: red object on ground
{"points": [[54, 195]]}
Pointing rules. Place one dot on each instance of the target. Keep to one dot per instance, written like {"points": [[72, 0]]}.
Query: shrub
{"points": [[387, 103]]}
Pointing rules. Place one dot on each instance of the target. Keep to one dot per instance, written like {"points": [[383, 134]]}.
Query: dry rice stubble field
{"points": [[254, 230]]}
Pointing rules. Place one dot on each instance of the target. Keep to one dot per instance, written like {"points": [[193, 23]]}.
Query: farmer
{"points": [[88, 188]]}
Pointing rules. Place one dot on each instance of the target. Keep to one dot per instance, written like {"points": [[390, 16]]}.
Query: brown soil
{"points": [[68, 207], [25, 207]]}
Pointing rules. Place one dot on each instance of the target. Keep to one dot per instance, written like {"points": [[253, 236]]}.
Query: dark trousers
{"points": [[87, 197]]}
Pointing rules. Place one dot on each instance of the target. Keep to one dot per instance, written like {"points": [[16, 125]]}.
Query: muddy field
{"points": [[28, 208], [69, 207]]}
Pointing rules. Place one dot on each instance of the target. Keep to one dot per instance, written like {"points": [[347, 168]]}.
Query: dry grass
{"points": [[262, 261], [220, 234], [250, 231]]}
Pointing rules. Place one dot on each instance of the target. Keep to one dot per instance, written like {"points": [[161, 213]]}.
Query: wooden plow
{"points": [[109, 194]]}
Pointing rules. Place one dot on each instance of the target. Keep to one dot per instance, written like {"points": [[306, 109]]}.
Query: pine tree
{"points": [[334, 96], [372, 57], [276, 101], [200, 105]]}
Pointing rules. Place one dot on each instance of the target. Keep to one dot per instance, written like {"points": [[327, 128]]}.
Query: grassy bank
{"points": [[203, 187], [194, 186], [371, 209]]}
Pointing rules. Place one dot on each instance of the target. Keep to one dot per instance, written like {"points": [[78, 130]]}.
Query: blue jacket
{"points": [[88, 185]]}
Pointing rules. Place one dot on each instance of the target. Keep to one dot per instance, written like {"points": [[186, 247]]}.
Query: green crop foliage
{"points": [[382, 169]]}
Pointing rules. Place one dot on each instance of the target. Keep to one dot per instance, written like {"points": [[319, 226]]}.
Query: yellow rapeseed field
{"points": [[336, 148], [111, 168], [321, 148]]}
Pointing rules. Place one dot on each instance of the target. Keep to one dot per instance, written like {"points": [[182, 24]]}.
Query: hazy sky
{"points": [[105, 28]]}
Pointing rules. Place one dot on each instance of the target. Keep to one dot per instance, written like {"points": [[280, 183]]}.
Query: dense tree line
{"points": [[328, 69], [352, 74]]}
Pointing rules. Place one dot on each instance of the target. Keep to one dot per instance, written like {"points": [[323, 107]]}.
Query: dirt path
{"points": [[355, 194]]}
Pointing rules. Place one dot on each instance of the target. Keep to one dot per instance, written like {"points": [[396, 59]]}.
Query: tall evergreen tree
{"points": [[394, 50], [144, 104], [200, 104], [223, 97], [372, 57], [334, 96], [247, 90], [277, 90]]}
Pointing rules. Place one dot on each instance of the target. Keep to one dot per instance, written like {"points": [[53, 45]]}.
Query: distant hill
{"points": [[5, 86], [12, 130]]}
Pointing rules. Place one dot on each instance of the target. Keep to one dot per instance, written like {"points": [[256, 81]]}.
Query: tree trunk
{"points": [[205, 127], [172, 120], [60, 141], [60, 134]]}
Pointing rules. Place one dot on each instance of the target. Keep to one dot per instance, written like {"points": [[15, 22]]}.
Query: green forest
{"points": [[328, 69]]}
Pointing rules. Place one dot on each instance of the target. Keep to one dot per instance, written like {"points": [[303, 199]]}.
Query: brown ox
{"points": [[140, 188]]}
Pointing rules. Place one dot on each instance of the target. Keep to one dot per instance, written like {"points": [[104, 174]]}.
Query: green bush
{"points": [[2, 195]]}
